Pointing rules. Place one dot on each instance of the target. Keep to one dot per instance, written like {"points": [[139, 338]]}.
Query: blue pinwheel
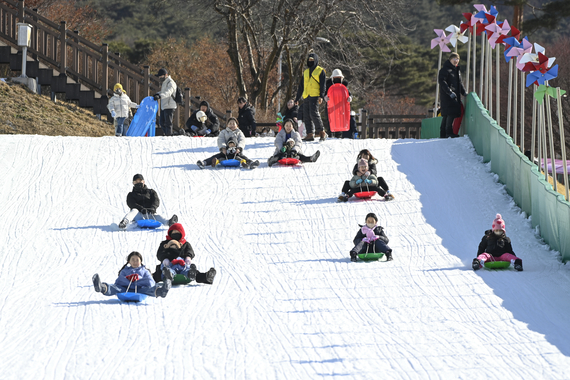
{"points": [[511, 42], [539, 78]]}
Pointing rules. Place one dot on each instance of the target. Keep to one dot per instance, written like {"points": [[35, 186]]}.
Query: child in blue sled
{"points": [[496, 246], [134, 277], [175, 255], [370, 239]]}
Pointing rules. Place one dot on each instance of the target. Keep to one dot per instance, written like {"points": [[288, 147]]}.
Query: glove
{"points": [[368, 181], [359, 181], [452, 95], [136, 106], [146, 211], [178, 261], [166, 263], [194, 128], [284, 149], [326, 98], [366, 240], [156, 96], [231, 150], [113, 114], [133, 277], [349, 99], [188, 262], [239, 149], [208, 131]]}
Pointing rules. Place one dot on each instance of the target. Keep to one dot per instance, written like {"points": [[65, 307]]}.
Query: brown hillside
{"points": [[23, 112]]}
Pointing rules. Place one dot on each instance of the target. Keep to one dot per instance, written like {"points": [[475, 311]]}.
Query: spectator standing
{"points": [[450, 91], [167, 103], [312, 90], [246, 118]]}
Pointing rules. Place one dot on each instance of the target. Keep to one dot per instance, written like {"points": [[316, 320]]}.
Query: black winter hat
{"points": [[204, 103], [371, 215], [162, 72], [138, 176]]}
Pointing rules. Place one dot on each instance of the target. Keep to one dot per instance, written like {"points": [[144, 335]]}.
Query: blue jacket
{"points": [[145, 278]]}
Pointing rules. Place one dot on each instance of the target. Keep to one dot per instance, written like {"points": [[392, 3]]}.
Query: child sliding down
{"points": [[496, 246], [370, 239]]}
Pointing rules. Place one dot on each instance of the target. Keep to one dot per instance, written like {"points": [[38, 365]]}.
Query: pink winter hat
{"points": [[363, 162], [498, 223]]}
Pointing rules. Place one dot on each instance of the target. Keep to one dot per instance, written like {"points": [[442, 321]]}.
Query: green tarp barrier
{"points": [[522, 179]]}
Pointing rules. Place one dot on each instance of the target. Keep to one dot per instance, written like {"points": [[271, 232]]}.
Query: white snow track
{"points": [[286, 303]]}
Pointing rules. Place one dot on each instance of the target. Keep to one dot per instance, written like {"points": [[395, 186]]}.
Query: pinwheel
{"points": [[539, 78], [440, 40], [505, 29], [455, 35], [466, 25], [546, 90], [519, 51], [510, 43], [494, 33], [538, 60]]}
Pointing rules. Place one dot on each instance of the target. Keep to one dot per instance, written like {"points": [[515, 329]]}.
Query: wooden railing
{"points": [[390, 126]]}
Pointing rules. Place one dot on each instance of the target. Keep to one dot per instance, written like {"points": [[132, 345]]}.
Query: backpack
{"points": [[178, 96]]}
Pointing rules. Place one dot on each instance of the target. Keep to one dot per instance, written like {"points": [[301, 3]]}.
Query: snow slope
{"points": [[287, 303]]}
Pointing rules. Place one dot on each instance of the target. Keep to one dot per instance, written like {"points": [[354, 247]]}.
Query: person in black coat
{"points": [[176, 254], [208, 127], [350, 134], [450, 91], [496, 246], [143, 203], [292, 111], [246, 118], [370, 238]]}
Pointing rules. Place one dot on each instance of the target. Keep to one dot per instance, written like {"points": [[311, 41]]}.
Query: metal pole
{"points": [[498, 83], [533, 132], [543, 133], [551, 142], [437, 84], [562, 140], [539, 134], [515, 116], [523, 89], [482, 71], [474, 38], [509, 97], [489, 79], [468, 60], [24, 59]]}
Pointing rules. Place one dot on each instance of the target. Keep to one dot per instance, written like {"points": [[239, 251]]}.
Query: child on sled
{"points": [[175, 255], [231, 134], [370, 239], [365, 154], [288, 144], [363, 180], [496, 246], [133, 277]]}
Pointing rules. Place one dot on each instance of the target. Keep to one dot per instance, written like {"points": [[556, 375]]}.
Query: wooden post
{"points": [[116, 72], [35, 35], [105, 70], [186, 103], [76, 52], [228, 115], [146, 81], [63, 47], [363, 124], [21, 11]]}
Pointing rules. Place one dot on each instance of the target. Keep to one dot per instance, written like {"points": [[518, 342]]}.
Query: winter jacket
{"points": [[449, 79], [495, 245], [246, 118], [227, 135], [291, 113], [172, 253], [167, 93], [121, 104], [321, 79], [145, 278], [350, 133], [330, 82], [362, 184], [212, 123], [378, 231], [143, 198], [371, 167], [281, 139]]}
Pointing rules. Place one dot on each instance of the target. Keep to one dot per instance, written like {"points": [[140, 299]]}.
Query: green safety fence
{"points": [[430, 128], [522, 179]]}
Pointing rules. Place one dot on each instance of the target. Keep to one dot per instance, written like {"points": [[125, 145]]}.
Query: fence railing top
{"points": [[31, 14], [397, 116]]}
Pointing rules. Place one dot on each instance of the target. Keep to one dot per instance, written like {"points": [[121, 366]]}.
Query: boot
{"points": [[389, 255], [254, 164], [123, 223], [476, 265], [323, 136], [272, 160], [210, 276], [343, 198], [244, 164], [162, 291], [315, 156], [518, 265], [309, 137], [192, 273], [200, 164], [173, 220], [215, 162], [167, 274], [97, 283], [353, 256]]}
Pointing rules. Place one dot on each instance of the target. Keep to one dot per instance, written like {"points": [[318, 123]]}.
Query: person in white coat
{"points": [[288, 144], [119, 105], [231, 134], [167, 103]]}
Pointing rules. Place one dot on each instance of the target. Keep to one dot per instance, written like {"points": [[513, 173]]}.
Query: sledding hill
{"points": [[286, 303]]}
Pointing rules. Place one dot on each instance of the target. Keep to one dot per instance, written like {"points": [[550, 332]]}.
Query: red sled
{"points": [[338, 108], [289, 161], [457, 121], [365, 194]]}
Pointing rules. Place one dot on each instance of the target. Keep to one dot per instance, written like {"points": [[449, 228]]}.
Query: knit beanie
{"points": [[363, 162], [498, 223]]}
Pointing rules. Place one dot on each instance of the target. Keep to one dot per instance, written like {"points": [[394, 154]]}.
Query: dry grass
{"points": [[26, 113]]}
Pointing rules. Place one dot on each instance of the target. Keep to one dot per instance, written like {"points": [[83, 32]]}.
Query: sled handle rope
{"points": [[130, 286]]}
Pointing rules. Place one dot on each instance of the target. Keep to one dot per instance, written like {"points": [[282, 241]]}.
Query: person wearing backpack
{"points": [[167, 102]]}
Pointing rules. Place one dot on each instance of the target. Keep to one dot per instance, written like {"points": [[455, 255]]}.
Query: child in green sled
{"points": [[371, 239]]}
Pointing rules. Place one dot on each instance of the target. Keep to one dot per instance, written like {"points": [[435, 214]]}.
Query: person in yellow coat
{"points": [[312, 89]]}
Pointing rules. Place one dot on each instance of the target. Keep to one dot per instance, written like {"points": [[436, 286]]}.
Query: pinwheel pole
{"points": [[474, 58], [523, 89], [550, 142], [489, 78], [498, 83], [468, 60], [515, 93], [437, 84], [562, 140], [482, 73], [533, 131], [543, 138], [509, 97]]}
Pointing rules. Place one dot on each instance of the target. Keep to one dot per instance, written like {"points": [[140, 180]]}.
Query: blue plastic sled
{"points": [[144, 121], [131, 297], [229, 163], [148, 223]]}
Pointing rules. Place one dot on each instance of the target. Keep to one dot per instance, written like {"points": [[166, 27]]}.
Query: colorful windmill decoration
{"points": [[539, 78], [525, 47], [440, 40], [505, 29], [546, 90], [537, 60], [455, 34]]}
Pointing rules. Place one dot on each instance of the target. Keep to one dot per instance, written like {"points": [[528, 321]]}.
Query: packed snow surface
{"points": [[286, 303]]}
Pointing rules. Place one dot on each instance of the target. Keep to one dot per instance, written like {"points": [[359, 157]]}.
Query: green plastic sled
{"points": [[497, 264], [180, 279], [370, 256]]}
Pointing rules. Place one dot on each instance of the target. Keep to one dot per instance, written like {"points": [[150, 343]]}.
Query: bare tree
{"points": [[260, 31]]}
